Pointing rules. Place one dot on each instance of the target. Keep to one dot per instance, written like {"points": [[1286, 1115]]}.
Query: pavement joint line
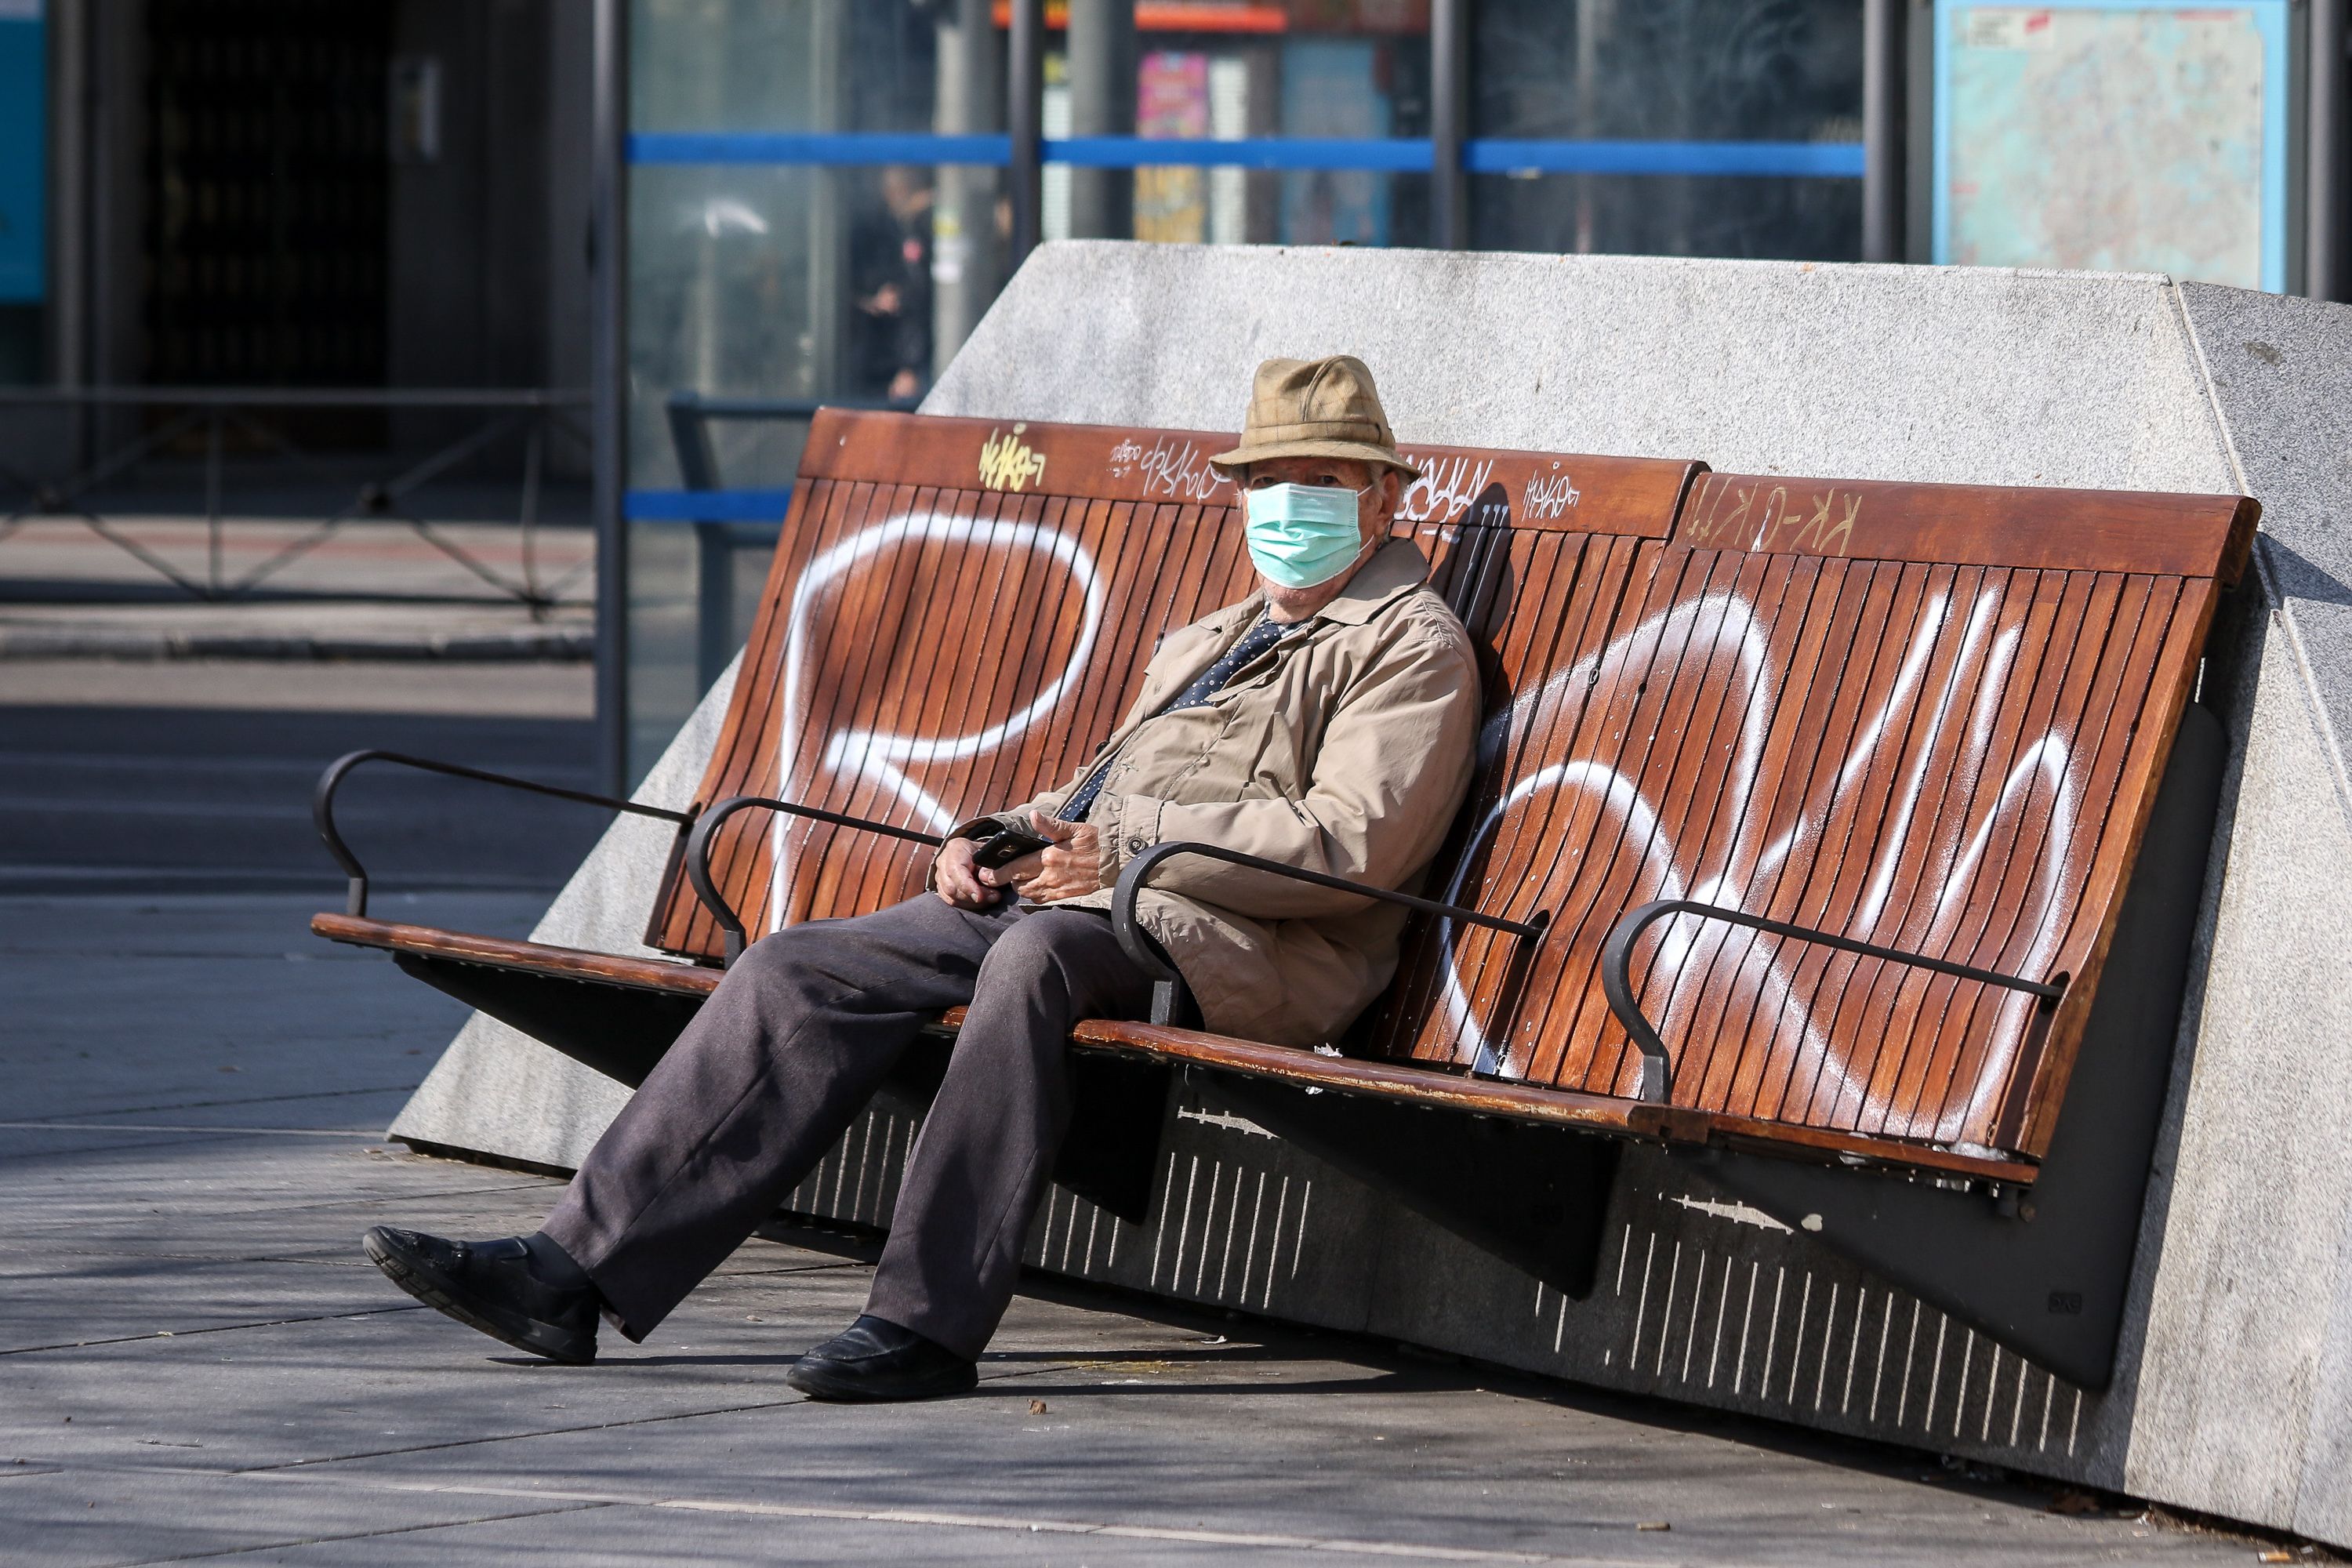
{"points": [[215, 1329], [379, 1200], [1176, 1534], [354, 1535], [359, 1133], [236, 811], [309, 1464], [512, 1436], [145, 1254], [244, 1099], [151, 1142], [170, 955]]}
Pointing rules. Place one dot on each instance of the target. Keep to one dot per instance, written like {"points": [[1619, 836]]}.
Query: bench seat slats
{"points": [[1951, 755], [505, 952], [1925, 716], [967, 632], [1274, 1063]]}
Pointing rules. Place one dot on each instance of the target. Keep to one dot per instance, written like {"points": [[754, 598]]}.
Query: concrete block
{"points": [[2255, 1229], [2238, 1343], [497, 1090], [1988, 376], [2281, 375]]}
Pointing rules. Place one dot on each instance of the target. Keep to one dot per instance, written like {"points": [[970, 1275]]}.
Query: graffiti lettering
{"points": [[886, 759], [1168, 469], [1446, 488], [1548, 496], [1924, 722], [1009, 463], [1720, 518]]}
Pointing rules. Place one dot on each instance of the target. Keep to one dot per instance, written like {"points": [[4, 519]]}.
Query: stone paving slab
{"points": [[559, 690], [92, 1516], [195, 1357]]}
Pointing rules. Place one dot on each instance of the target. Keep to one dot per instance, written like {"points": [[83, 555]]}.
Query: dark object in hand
{"points": [[1007, 846]]}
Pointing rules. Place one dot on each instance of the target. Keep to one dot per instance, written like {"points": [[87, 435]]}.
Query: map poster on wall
{"points": [[2115, 135], [23, 151]]}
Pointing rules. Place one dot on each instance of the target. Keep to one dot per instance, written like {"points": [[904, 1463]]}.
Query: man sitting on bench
{"points": [[1327, 722]]}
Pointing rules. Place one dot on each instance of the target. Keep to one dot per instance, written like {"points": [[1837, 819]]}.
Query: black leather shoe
{"points": [[873, 1359], [537, 1300]]}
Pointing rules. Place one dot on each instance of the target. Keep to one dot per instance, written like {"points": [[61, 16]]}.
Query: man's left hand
{"points": [[1070, 867]]}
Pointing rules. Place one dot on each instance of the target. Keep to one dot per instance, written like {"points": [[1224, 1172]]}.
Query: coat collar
{"points": [[1395, 568]]}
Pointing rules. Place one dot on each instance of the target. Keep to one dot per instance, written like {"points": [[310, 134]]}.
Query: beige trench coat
{"points": [[1345, 749]]}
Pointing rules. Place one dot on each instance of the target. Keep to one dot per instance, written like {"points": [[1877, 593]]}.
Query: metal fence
{"points": [[257, 418]]}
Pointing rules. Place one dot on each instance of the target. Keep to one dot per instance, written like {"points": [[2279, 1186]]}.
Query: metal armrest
{"points": [[323, 807], [697, 854], [1137, 874], [1657, 1082]]}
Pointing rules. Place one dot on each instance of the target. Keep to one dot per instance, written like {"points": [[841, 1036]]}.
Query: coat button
{"points": [[1135, 845]]}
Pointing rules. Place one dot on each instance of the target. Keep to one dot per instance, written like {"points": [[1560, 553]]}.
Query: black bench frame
{"points": [[2042, 1270]]}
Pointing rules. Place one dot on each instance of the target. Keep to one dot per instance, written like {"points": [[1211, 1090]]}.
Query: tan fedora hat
{"points": [[1316, 408]]}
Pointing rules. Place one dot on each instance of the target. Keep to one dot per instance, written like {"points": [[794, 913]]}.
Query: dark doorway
{"points": [[267, 196]]}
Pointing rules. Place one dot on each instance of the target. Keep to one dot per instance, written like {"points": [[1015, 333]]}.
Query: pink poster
{"points": [[1172, 104]]}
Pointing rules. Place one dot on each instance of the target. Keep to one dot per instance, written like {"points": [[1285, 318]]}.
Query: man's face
{"points": [[1380, 486]]}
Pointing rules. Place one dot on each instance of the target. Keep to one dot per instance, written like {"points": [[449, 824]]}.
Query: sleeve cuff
{"points": [[976, 827]]}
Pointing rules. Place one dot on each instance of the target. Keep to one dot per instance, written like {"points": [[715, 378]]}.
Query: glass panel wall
{"points": [[1318, 71], [818, 207], [1694, 84], [758, 281]]}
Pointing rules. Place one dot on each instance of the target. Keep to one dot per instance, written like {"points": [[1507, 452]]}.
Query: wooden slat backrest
{"points": [[1932, 716], [958, 610]]}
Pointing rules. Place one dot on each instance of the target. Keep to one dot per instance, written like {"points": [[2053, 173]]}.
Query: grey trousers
{"points": [[789, 1050]]}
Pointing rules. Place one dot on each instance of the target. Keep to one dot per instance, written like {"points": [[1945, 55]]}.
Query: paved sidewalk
{"points": [[195, 1362]]}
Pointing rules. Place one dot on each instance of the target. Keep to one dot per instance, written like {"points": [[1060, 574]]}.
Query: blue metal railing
{"points": [[1399, 154], [746, 505], [1788, 160]]}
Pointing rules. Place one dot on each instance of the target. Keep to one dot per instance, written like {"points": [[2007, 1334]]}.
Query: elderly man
{"points": [[1327, 722]]}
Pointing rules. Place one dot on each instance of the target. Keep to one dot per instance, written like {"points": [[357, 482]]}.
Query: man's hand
{"points": [[1070, 868], [955, 879]]}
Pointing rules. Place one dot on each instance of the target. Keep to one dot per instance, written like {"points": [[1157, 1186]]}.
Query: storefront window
{"points": [[1705, 77], [760, 281], [818, 210], [1329, 71]]}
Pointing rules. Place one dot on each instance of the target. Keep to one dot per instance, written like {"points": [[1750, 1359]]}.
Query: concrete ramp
{"points": [[2235, 1394]]}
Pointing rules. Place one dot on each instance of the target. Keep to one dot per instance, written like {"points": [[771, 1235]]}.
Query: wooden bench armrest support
{"points": [[1617, 983], [1137, 874], [322, 806], [697, 854]]}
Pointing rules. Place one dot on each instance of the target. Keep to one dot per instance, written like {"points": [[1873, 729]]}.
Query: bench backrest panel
{"points": [[960, 610], [1930, 717]]}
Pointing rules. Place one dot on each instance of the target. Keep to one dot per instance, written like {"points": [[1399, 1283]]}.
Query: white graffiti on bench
{"points": [[883, 758], [1686, 948]]}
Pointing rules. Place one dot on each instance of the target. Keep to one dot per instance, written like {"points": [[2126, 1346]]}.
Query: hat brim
{"points": [[1349, 452]]}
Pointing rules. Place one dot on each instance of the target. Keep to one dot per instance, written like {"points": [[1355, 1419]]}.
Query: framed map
{"points": [[2115, 135]]}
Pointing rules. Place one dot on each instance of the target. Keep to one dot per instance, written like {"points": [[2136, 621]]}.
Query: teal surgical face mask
{"points": [[1301, 535]]}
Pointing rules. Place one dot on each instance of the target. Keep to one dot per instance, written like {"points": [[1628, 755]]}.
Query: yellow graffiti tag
{"points": [[1721, 516], [1009, 463]]}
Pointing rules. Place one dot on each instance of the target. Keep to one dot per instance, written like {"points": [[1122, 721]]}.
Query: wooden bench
{"points": [[1800, 842]]}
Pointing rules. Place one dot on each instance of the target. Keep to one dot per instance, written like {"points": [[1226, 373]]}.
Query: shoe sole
{"points": [[820, 1381], [428, 1286]]}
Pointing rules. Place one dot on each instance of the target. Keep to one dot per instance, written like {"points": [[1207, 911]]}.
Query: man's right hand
{"points": [[956, 879]]}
